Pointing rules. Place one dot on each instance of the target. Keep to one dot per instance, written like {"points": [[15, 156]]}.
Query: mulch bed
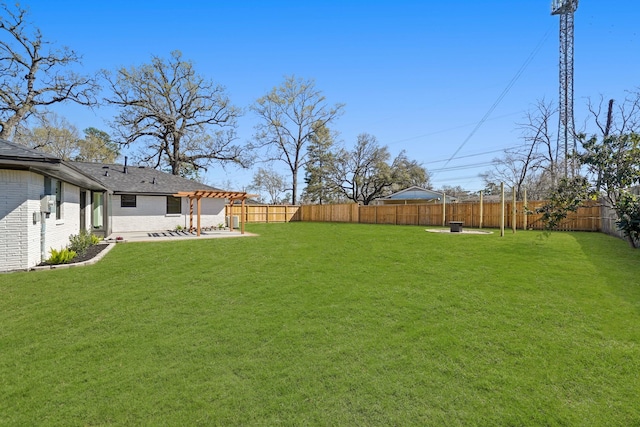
{"points": [[90, 253]]}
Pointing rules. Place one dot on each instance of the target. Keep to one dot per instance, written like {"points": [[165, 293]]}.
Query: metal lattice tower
{"points": [[566, 128]]}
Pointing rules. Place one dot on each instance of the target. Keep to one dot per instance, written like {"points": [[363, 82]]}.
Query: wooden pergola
{"points": [[198, 195]]}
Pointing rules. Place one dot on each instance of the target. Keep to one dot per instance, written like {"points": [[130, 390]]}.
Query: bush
{"points": [[62, 256], [80, 242], [566, 197], [628, 209]]}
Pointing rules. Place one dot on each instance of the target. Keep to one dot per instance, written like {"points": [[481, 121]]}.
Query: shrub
{"points": [[62, 256], [80, 242], [628, 209], [566, 197]]}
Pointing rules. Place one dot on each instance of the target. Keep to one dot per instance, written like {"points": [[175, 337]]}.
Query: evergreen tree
{"points": [[320, 160]]}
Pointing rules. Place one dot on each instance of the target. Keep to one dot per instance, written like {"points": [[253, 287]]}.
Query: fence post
{"points": [[481, 208], [444, 209], [502, 209], [524, 211], [513, 209]]}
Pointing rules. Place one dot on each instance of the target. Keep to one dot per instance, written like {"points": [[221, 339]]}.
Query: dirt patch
{"points": [[446, 230]]}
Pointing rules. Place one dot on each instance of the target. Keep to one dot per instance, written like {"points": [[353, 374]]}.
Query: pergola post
{"points": [[190, 214], [242, 208], [232, 196], [199, 207]]}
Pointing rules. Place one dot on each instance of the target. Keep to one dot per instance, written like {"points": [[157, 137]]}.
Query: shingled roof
{"points": [[20, 157], [10, 151], [139, 179]]}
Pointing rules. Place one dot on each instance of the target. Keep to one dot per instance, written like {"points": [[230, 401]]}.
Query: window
{"points": [[128, 201], [97, 205], [58, 188], [174, 205]]}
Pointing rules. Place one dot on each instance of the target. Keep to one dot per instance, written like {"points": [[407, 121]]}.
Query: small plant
{"points": [[95, 239], [62, 256], [220, 226], [179, 228], [79, 243]]}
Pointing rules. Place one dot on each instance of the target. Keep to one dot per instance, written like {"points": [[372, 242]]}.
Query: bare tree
{"points": [[534, 163], [33, 75], [407, 173], [53, 134], [514, 168], [538, 135], [620, 119], [455, 191], [269, 181], [290, 114], [183, 121], [364, 173], [617, 118]]}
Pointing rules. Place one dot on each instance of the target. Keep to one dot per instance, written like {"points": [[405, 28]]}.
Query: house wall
{"points": [[150, 214], [32, 203], [59, 230], [14, 188], [20, 236]]}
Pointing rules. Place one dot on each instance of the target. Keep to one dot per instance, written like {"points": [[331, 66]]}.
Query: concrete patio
{"points": [[155, 236]]}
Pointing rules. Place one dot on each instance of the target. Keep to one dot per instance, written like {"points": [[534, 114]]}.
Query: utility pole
{"points": [[566, 127]]}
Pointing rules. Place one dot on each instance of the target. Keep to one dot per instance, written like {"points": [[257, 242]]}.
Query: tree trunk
{"points": [[294, 187], [175, 157], [9, 127]]}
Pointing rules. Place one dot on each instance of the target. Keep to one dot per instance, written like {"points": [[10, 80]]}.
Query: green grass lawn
{"points": [[329, 324]]}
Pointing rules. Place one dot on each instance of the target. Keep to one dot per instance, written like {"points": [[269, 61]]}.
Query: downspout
{"points": [[43, 234]]}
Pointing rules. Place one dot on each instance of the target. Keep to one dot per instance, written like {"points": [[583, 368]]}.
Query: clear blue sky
{"points": [[419, 75]]}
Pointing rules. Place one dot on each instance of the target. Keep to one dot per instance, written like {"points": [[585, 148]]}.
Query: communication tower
{"points": [[566, 128]]}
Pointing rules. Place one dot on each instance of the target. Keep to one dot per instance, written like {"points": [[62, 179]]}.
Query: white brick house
{"points": [[142, 199], [44, 200]]}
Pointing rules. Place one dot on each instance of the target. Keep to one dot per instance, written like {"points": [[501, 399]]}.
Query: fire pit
{"points": [[455, 226]]}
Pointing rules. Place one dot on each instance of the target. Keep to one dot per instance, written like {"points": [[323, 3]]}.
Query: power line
{"points": [[461, 167], [465, 180], [411, 138], [501, 150], [503, 94]]}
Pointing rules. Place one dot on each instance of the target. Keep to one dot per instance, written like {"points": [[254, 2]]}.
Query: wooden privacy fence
{"points": [[472, 214], [263, 213]]}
